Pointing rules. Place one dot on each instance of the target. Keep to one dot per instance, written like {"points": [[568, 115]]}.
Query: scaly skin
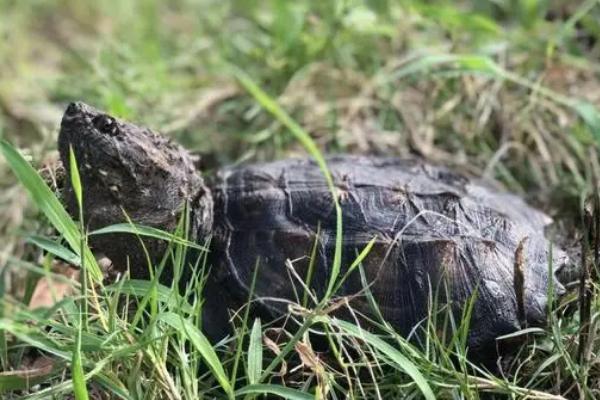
{"points": [[129, 170]]}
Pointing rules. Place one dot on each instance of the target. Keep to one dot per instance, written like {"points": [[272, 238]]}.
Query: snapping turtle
{"points": [[429, 225]]}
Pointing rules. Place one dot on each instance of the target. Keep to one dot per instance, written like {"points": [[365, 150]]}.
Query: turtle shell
{"points": [[432, 229]]}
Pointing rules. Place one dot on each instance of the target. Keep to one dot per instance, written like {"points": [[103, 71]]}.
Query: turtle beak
{"points": [[76, 109], [74, 127], [73, 108]]}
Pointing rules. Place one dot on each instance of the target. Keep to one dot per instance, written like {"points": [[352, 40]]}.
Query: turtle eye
{"points": [[106, 125]]}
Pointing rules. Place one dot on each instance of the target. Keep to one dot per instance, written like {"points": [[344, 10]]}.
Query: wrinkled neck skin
{"points": [[130, 172]]}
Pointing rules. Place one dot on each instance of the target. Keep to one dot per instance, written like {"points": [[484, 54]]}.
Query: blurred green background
{"points": [[505, 89]]}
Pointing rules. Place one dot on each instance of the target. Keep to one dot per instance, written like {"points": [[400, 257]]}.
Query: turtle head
{"points": [[129, 172]]}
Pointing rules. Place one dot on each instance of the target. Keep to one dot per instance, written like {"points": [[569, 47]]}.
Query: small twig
{"points": [[519, 281]]}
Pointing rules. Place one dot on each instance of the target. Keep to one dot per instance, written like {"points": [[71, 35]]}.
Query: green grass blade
{"points": [[242, 332], [522, 332], [201, 344], [140, 288], [309, 144], [576, 14], [255, 353], [398, 360], [79, 388], [48, 204], [277, 390], [311, 267], [75, 178], [112, 386], [362, 255], [147, 231], [55, 248], [590, 115], [33, 337], [76, 185], [357, 261]]}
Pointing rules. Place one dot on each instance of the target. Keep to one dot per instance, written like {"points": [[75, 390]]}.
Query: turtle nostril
{"points": [[106, 125], [73, 108]]}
